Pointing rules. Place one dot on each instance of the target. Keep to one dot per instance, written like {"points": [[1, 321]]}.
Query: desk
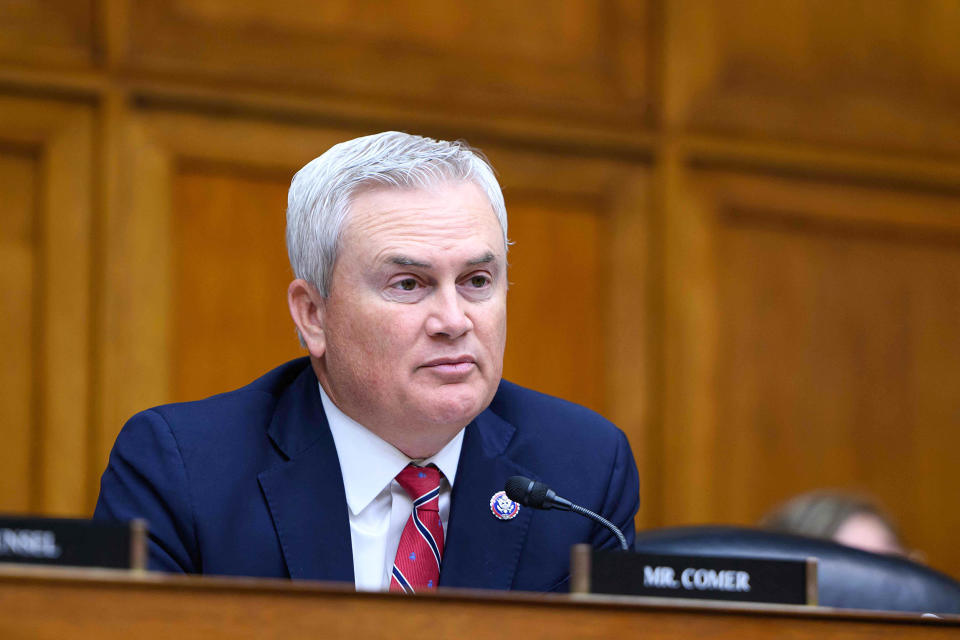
{"points": [[38, 603]]}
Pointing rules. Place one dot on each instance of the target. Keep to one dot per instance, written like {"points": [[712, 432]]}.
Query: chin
{"points": [[455, 409]]}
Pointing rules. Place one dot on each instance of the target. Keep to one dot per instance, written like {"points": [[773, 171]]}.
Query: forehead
{"points": [[438, 216]]}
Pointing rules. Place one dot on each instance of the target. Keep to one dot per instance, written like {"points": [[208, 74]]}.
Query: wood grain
{"points": [[52, 604], [556, 311], [849, 74], [230, 322], [573, 60], [18, 338], [816, 313], [46, 154], [53, 33]]}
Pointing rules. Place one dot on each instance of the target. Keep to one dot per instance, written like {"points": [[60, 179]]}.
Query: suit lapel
{"points": [[482, 550], [305, 493]]}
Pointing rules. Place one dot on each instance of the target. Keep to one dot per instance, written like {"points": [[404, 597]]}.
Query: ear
{"points": [[306, 308]]}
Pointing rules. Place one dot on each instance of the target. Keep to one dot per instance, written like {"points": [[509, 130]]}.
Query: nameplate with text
{"points": [[696, 577], [72, 542]]}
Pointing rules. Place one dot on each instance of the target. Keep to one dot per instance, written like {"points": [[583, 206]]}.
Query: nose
{"points": [[448, 317]]}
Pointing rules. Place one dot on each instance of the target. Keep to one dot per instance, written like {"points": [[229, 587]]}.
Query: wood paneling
{"points": [[816, 349], [46, 152], [556, 300], [56, 33], [574, 60], [850, 72], [230, 320], [18, 279], [89, 605]]}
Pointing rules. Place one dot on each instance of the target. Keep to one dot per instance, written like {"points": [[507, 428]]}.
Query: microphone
{"points": [[531, 493]]}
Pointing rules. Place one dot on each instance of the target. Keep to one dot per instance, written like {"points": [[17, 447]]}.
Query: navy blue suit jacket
{"points": [[248, 483]]}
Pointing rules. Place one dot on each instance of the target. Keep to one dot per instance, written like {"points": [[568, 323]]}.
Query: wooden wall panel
{"points": [[821, 305], [576, 61], [552, 345], [58, 33], [18, 279], [851, 72], [46, 152], [230, 320]]}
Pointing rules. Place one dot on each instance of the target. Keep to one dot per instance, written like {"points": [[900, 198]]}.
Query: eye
{"points": [[478, 281], [406, 288], [407, 284]]}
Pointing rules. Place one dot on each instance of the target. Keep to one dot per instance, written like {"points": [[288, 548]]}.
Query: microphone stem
{"points": [[609, 525]]}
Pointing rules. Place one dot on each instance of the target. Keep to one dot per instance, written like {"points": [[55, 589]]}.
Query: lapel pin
{"points": [[502, 507]]}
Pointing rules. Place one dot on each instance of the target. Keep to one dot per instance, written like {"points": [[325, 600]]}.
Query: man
{"points": [[380, 459]]}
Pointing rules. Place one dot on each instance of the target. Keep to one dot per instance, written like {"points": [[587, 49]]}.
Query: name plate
{"points": [[73, 542], [696, 577]]}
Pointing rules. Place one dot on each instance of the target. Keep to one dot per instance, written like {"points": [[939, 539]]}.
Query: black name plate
{"points": [[72, 542], [697, 577]]}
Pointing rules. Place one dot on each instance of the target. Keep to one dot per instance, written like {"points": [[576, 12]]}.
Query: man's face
{"points": [[415, 324]]}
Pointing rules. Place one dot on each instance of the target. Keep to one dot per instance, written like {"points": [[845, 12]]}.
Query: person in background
{"points": [[848, 518]]}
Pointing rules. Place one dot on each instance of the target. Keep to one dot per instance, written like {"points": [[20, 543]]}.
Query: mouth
{"points": [[451, 366]]}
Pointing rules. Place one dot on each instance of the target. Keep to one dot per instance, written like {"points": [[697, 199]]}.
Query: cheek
{"points": [[494, 329], [375, 338]]}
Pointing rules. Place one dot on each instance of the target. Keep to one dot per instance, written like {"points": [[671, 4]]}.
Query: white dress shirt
{"points": [[378, 506]]}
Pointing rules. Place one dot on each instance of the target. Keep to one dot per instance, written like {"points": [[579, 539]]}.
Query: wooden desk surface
{"points": [[39, 603]]}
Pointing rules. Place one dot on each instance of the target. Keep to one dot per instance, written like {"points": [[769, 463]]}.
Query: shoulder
{"points": [[240, 405], [515, 404], [186, 467], [220, 422], [223, 435], [550, 420]]}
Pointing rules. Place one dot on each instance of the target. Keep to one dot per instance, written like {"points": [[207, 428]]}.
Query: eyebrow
{"points": [[406, 261], [484, 259]]}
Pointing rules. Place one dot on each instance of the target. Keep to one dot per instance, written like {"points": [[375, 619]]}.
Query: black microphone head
{"points": [[518, 488], [527, 492], [538, 496]]}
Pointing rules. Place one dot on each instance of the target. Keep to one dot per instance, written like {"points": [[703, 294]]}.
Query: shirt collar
{"points": [[368, 463]]}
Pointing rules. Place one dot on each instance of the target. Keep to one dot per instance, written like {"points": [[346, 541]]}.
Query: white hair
{"points": [[322, 191]]}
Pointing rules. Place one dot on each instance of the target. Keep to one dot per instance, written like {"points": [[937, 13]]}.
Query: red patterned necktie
{"points": [[417, 565]]}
